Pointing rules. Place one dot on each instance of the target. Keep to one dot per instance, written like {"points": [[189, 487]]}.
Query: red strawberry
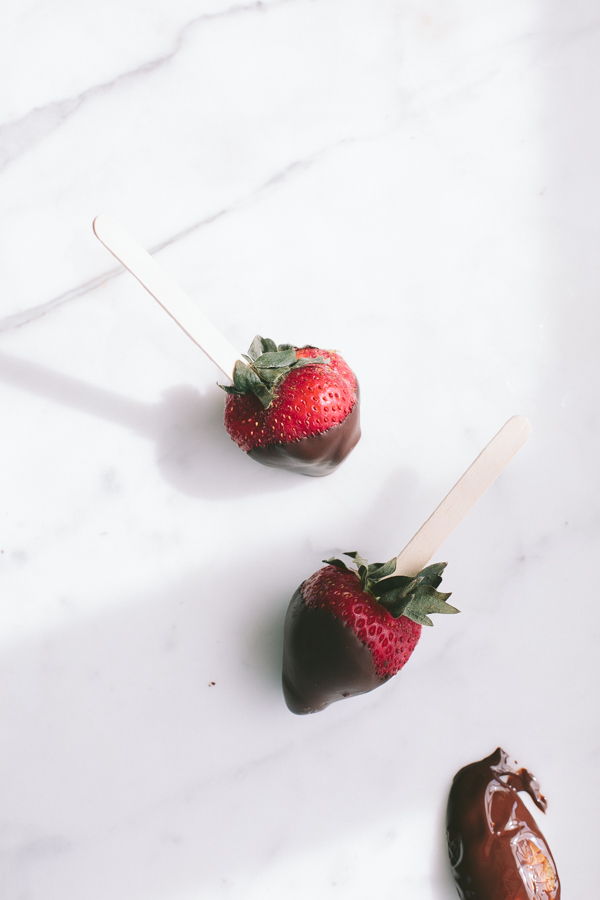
{"points": [[347, 631], [295, 408]]}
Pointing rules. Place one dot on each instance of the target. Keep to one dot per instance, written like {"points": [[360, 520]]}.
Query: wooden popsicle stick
{"points": [[167, 292], [463, 496]]}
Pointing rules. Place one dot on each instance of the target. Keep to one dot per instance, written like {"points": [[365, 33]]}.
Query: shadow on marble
{"points": [[264, 644], [192, 446], [156, 757], [442, 882], [394, 514]]}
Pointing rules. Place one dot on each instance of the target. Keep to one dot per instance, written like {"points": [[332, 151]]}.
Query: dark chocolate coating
{"points": [[497, 851], [323, 660], [317, 455]]}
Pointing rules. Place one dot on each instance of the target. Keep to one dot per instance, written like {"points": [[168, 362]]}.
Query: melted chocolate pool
{"points": [[496, 850]]}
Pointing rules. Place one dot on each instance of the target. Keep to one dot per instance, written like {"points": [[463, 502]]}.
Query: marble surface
{"points": [[414, 184]]}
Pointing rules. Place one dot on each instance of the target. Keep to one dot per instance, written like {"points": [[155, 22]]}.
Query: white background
{"points": [[414, 184]]}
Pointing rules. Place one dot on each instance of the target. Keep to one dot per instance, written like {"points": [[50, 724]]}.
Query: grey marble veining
{"points": [[414, 185]]}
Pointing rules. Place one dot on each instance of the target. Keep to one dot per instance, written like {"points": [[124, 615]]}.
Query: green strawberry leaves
{"points": [[267, 364], [382, 570], [401, 595], [280, 359], [261, 345], [246, 380], [432, 574], [417, 603]]}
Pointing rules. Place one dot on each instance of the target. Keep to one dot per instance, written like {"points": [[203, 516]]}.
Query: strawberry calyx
{"points": [[267, 364], [401, 595]]}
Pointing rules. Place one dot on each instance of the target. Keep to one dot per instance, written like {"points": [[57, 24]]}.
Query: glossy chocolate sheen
{"points": [[323, 660], [497, 851], [317, 455]]}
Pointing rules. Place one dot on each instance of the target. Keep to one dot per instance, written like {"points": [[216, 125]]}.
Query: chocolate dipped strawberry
{"points": [[295, 408], [288, 407], [496, 849], [348, 631]]}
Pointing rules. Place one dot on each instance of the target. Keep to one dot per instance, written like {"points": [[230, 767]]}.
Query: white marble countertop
{"points": [[416, 185]]}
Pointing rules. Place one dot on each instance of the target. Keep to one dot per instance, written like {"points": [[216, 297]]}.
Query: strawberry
{"points": [[347, 631], [294, 408]]}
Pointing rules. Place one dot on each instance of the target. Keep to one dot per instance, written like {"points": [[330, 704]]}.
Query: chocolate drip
{"points": [[323, 660], [497, 851], [317, 455]]}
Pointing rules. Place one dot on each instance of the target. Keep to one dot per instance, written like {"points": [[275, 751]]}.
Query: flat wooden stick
{"points": [[167, 292], [463, 496]]}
